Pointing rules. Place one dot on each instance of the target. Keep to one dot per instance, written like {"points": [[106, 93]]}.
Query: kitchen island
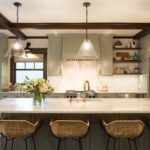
{"points": [[94, 110]]}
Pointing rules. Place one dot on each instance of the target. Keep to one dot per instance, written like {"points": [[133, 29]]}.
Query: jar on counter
{"points": [[136, 70]]}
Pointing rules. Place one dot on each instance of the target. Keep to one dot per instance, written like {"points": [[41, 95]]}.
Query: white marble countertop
{"points": [[63, 106]]}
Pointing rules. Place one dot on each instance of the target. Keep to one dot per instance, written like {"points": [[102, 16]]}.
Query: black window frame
{"points": [[13, 69]]}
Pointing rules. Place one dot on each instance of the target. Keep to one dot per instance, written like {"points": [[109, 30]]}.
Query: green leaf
{"points": [[26, 77]]}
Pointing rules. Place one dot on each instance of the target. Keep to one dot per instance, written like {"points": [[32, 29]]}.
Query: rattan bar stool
{"points": [[12, 129], [124, 129], [65, 129]]}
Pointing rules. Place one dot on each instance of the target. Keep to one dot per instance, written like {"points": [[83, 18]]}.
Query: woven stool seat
{"points": [[124, 128], [17, 128], [69, 128], [12, 129]]}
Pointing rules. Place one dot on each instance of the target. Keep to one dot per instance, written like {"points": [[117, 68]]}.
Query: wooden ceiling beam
{"points": [[83, 25], [6, 24], [1, 27], [31, 37], [141, 34], [14, 27]]}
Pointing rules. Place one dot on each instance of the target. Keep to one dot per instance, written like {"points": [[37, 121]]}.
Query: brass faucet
{"points": [[86, 88]]}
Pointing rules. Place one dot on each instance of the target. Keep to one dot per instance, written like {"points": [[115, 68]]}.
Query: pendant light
{"points": [[87, 50], [16, 48], [17, 44]]}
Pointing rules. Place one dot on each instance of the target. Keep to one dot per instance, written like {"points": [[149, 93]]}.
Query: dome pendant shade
{"points": [[17, 45], [16, 49], [87, 50]]}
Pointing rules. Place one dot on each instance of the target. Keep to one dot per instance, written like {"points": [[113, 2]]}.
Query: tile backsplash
{"points": [[75, 73]]}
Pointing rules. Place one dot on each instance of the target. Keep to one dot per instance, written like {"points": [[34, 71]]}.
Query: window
{"points": [[31, 67]]}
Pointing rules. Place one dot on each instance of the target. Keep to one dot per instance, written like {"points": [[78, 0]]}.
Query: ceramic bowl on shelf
{"points": [[118, 58], [119, 46]]}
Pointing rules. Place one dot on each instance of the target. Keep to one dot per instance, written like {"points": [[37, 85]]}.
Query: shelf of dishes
{"points": [[133, 57], [126, 44], [126, 61], [127, 70], [125, 48]]}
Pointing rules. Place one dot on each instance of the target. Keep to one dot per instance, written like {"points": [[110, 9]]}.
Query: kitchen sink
{"points": [[76, 94], [88, 100]]}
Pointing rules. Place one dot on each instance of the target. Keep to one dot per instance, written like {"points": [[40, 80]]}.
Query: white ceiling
{"points": [[73, 11], [6, 32], [31, 32]]}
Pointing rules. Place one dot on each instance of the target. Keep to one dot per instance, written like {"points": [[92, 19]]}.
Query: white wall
{"points": [[75, 73], [4, 77], [145, 57], [38, 43]]}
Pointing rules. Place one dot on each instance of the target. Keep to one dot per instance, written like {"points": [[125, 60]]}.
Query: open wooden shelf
{"points": [[127, 74], [127, 61], [132, 49]]}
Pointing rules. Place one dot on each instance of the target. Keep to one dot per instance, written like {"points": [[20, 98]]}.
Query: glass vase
{"points": [[38, 99]]}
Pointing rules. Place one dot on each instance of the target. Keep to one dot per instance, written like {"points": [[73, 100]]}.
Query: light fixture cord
{"points": [[17, 14], [86, 22]]}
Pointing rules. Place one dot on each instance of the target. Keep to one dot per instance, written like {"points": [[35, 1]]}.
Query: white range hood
{"points": [[72, 44]]}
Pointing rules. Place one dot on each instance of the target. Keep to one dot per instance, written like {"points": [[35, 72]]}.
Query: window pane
{"points": [[38, 65], [20, 75], [20, 65], [29, 65]]}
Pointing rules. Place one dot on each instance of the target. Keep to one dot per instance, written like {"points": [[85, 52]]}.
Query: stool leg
{"points": [[129, 144], [59, 142], [107, 142], [80, 144], [114, 144], [12, 144], [135, 144], [33, 143], [5, 146], [26, 144]]}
